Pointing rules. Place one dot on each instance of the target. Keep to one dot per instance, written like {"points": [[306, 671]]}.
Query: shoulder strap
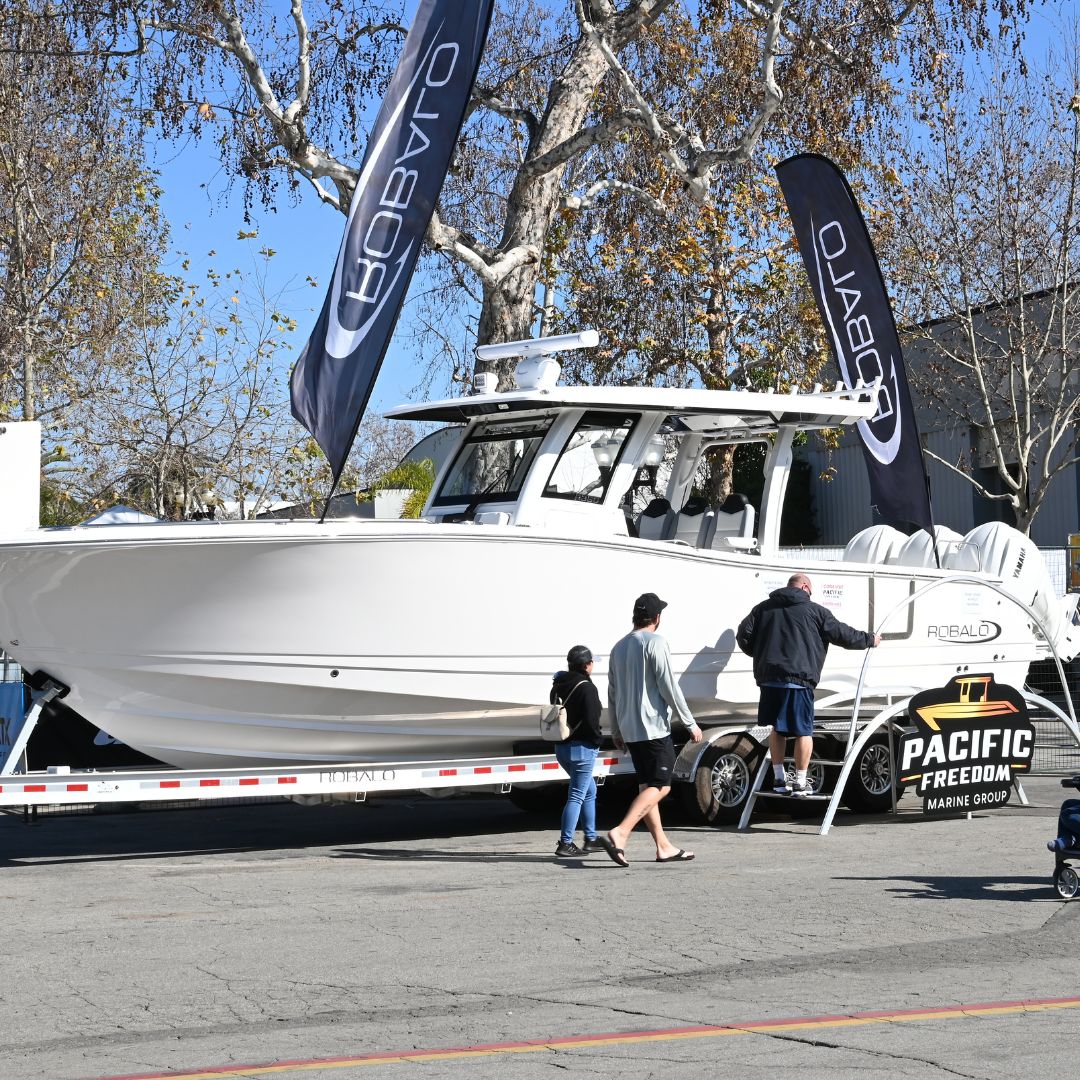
{"points": [[571, 694], [567, 698]]}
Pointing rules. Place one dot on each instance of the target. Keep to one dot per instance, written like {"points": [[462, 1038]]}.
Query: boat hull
{"points": [[287, 642]]}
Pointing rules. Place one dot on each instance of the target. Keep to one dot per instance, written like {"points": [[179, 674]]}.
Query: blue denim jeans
{"points": [[1068, 820], [578, 762]]}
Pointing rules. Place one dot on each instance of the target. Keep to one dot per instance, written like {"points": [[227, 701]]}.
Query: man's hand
{"points": [[877, 640], [619, 744], [695, 734]]}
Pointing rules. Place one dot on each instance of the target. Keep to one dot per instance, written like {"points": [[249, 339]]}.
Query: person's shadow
{"points": [[701, 680], [965, 887]]}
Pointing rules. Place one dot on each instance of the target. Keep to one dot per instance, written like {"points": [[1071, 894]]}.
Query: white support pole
{"points": [[38, 700], [883, 717]]}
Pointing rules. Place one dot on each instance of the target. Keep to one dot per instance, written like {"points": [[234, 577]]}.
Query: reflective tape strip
{"points": [[194, 783]]}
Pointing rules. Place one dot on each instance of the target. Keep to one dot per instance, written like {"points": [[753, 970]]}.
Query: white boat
{"points": [[282, 641]]}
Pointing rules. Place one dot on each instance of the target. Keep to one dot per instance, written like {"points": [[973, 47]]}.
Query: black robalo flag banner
{"points": [[402, 174], [850, 293]]}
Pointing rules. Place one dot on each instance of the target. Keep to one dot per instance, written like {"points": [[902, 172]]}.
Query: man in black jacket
{"points": [[788, 636]]}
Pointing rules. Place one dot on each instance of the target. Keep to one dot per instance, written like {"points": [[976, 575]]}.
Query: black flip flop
{"points": [[679, 856], [615, 854]]}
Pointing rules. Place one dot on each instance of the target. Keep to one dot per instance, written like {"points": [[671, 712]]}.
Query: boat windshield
{"points": [[493, 463], [585, 466]]}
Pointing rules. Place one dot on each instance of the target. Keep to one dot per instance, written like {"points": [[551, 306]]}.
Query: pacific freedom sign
{"points": [[971, 737]]}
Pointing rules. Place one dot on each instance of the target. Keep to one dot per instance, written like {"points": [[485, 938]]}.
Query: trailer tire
{"points": [[721, 783], [869, 784]]}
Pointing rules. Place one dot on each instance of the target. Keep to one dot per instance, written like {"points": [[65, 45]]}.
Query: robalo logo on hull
{"points": [[971, 633]]}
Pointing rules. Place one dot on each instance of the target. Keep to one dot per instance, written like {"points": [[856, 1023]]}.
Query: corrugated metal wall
{"points": [[842, 504]]}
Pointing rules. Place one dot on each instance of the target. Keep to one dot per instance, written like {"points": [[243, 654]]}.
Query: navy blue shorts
{"points": [[787, 709]]}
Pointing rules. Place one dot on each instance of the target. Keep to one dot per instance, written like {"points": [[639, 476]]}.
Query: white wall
{"points": [[20, 476]]}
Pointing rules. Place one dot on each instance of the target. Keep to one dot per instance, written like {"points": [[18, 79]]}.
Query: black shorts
{"points": [[654, 761]]}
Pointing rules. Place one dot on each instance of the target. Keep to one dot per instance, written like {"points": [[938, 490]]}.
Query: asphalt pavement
{"points": [[423, 938]]}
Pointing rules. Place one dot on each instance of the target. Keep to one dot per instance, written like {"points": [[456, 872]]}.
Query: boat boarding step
{"points": [[800, 798]]}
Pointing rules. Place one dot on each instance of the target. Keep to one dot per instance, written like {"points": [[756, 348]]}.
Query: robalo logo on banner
{"points": [[970, 737]]}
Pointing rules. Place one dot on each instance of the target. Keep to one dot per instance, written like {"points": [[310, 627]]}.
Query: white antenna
{"points": [[545, 346], [536, 370]]}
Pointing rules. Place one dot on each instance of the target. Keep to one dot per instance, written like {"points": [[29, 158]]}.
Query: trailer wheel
{"points": [[1066, 882], [721, 784], [869, 784], [538, 798]]}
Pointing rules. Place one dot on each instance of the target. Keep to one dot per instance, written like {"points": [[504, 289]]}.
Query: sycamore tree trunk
{"points": [[509, 306]]}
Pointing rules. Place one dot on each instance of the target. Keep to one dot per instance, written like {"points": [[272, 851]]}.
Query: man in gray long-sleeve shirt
{"points": [[642, 693]]}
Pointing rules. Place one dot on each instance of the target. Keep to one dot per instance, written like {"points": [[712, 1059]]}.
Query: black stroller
{"points": [[1066, 879]]}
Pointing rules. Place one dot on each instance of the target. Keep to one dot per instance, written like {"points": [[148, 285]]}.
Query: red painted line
{"points": [[209, 783], [168, 783], [550, 765], [610, 1038], [482, 769], [448, 772], [33, 787], [247, 781], [78, 787], [515, 768], [286, 780], [610, 761]]}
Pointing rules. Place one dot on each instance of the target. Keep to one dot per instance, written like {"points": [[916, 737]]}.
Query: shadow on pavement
{"points": [[965, 887], [202, 831]]}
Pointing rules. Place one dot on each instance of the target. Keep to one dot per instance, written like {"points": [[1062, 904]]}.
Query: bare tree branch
{"points": [[589, 199]]}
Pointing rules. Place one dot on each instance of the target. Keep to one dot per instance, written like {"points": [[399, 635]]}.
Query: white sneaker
{"points": [[801, 791], [780, 787]]}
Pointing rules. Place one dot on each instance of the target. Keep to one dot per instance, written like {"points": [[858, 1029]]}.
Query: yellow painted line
{"points": [[622, 1038]]}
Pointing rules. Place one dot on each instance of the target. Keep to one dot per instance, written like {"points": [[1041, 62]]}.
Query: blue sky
{"points": [[205, 216]]}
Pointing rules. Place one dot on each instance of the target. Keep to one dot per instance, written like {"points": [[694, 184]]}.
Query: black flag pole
{"points": [[850, 291], [404, 166]]}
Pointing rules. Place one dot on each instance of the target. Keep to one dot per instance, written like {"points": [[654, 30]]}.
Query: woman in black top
{"points": [[577, 754]]}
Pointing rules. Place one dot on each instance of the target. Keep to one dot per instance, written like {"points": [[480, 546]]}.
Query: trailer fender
{"points": [[689, 758], [720, 775]]}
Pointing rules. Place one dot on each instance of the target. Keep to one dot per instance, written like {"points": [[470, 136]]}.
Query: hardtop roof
{"points": [[720, 411]]}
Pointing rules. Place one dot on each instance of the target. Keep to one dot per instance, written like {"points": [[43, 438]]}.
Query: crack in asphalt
{"points": [[826, 1045]]}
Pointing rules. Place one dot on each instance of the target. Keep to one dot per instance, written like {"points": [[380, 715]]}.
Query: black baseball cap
{"points": [[648, 605], [578, 656]]}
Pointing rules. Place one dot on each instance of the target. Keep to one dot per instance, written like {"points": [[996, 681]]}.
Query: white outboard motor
{"points": [[918, 549], [877, 545], [1002, 552]]}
